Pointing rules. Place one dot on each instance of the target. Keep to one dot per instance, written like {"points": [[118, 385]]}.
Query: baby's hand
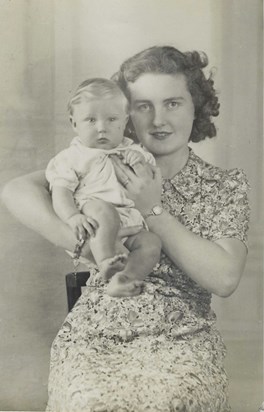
{"points": [[121, 286], [82, 225], [131, 157]]}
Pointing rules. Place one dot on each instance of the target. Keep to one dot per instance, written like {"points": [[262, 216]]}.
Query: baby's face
{"points": [[100, 123]]}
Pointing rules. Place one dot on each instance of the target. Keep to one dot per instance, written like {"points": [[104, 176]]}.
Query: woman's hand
{"points": [[142, 183]]}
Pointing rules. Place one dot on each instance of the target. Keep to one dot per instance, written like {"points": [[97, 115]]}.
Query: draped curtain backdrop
{"points": [[49, 46]]}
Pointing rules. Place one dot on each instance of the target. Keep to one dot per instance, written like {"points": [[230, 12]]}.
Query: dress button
{"points": [[167, 185], [174, 316]]}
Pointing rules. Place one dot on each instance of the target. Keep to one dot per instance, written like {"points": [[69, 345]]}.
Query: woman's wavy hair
{"points": [[168, 60]]}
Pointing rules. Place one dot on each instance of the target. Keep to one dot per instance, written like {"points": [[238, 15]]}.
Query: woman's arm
{"points": [[28, 199], [216, 266]]}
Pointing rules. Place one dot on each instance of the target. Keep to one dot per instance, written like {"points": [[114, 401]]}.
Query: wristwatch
{"points": [[155, 211]]}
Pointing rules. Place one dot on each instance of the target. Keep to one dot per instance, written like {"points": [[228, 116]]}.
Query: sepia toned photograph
{"points": [[131, 210]]}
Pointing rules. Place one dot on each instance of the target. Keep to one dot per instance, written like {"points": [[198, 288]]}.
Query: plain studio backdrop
{"points": [[47, 48]]}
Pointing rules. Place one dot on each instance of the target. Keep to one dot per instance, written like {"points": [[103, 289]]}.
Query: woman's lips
{"points": [[160, 135]]}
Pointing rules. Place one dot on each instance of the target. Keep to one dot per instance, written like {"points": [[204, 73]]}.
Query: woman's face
{"points": [[162, 112]]}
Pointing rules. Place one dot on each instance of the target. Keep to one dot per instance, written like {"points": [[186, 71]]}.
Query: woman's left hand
{"points": [[142, 183]]}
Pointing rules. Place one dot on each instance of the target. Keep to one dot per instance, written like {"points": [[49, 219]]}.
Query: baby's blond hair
{"points": [[96, 88]]}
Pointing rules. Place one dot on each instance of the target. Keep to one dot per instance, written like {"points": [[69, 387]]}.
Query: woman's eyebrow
{"points": [[141, 101], [178, 98], [169, 99]]}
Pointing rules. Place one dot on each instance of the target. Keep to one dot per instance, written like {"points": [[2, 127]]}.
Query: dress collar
{"points": [[189, 179]]}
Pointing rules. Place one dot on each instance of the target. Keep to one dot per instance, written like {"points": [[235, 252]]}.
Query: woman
{"points": [[159, 351]]}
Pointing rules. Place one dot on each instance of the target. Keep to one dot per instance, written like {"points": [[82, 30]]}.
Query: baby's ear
{"points": [[72, 123]]}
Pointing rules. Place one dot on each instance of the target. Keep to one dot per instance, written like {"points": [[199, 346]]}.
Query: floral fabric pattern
{"points": [[159, 351]]}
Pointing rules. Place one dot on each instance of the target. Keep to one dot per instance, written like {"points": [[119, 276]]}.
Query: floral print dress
{"points": [[159, 351]]}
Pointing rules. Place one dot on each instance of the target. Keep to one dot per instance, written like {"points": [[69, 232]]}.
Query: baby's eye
{"points": [[91, 119]]}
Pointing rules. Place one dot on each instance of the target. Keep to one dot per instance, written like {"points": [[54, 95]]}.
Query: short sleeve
{"points": [[231, 207], [147, 155], [60, 172]]}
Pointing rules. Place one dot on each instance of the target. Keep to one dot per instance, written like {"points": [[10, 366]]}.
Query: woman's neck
{"points": [[172, 163]]}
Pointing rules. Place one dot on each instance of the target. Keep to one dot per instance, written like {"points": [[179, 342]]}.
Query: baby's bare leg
{"points": [[144, 254], [103, 244]]}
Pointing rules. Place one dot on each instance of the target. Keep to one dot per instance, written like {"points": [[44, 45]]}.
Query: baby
{"points": [[86, 194]]}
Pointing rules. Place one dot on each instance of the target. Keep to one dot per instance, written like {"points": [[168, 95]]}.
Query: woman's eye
{"points": [[144, 107], [91, 120], [172, 105], [112, 119]]}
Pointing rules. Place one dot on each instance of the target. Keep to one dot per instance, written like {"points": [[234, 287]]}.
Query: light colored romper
{"points": [[89, 174]]}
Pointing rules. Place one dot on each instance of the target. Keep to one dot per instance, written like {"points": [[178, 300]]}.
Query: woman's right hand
{"points": [[133, 180]]}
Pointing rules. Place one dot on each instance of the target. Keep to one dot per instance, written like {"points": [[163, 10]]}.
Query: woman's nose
{"points": [[158, 118]]}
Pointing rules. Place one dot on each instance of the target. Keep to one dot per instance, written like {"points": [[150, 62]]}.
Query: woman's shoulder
{"points": [[228, 178]]}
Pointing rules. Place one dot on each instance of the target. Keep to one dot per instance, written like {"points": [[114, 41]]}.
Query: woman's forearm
{"points": [[28, 199], [215, 266]]}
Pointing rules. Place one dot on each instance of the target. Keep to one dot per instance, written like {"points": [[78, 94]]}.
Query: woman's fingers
{"points": [[143, 170], [156, 172], [132, 179], [123, 172]]}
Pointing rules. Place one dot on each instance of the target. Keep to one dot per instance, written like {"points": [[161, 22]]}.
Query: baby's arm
{"points": [[131, 157], [138, 155], [65, 208]]}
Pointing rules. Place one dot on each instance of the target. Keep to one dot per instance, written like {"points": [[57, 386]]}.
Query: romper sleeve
{"points": [[147, 155], [231, 207], [60, 171]]}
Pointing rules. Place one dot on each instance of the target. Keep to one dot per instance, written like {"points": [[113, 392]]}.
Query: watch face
{"points": [[157, 210]]}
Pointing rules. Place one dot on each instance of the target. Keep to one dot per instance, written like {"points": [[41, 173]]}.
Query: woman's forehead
{"points": [[159, 86]]}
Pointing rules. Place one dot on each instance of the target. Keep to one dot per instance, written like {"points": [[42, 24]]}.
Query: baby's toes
{"points": [[135, 288]]}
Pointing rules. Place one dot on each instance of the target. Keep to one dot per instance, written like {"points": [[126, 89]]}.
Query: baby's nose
{"points": [[101, 126]]}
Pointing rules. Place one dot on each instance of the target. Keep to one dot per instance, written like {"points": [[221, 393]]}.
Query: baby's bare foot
{"points": [[108, 267], [121, 286]]}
